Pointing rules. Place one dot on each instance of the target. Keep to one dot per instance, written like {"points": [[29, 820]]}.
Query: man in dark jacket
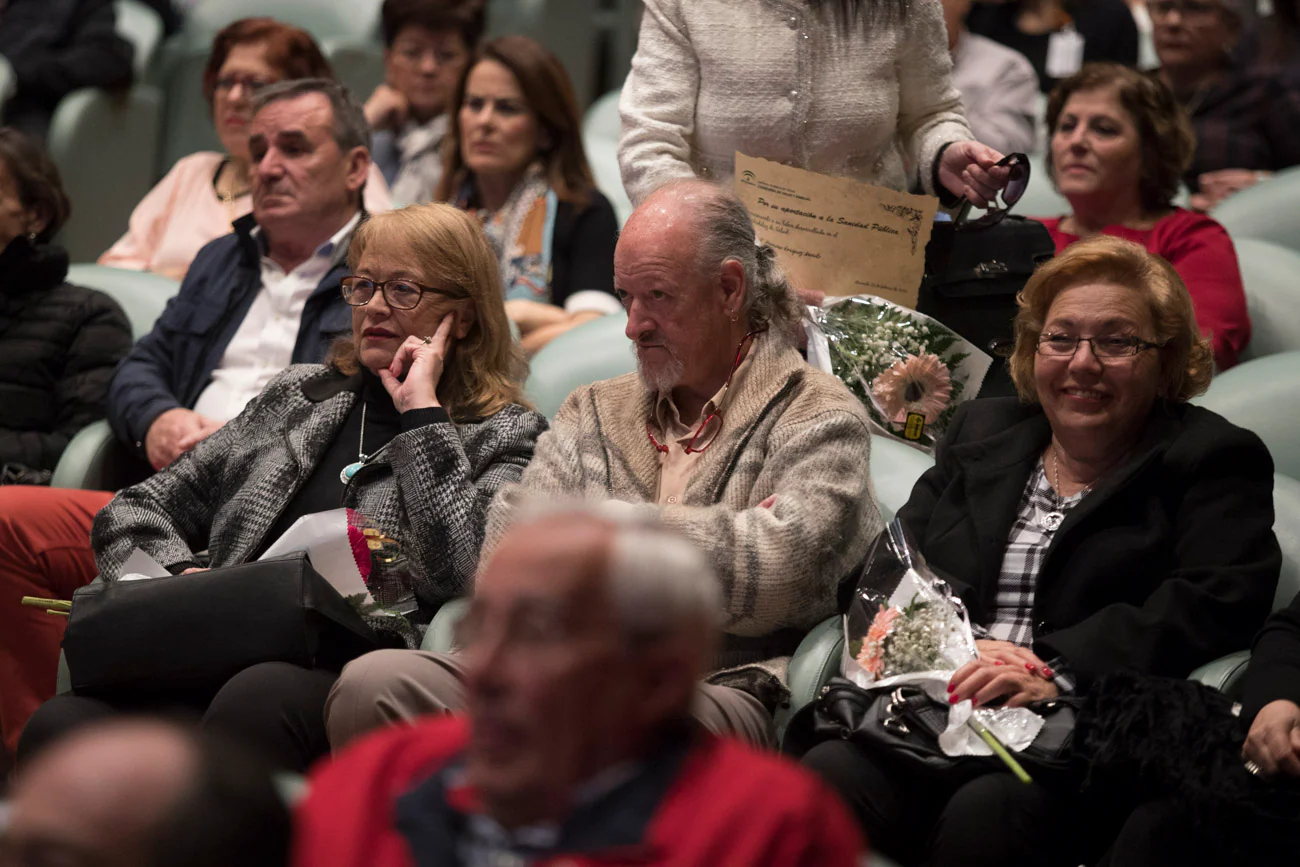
{"points": [[53, 47], [253, 302], [263, 297]]}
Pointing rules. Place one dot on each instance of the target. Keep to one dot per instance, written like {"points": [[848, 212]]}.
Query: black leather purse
{"points": [[975, 268], [903, 724], [191, 633]]}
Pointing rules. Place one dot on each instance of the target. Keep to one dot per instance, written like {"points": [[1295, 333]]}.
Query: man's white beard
{"points": [[661, 377]]}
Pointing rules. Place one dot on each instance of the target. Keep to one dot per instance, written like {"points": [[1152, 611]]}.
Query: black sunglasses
{"points": [[1017, 183]]}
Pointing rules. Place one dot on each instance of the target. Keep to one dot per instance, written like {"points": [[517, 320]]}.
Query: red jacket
{"points": [[1202, 254], [726, 805]]}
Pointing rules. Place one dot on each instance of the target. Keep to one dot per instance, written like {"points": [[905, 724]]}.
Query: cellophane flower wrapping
{"points": [[905, 625], [376, 553], [909, 370], [904, 621]]}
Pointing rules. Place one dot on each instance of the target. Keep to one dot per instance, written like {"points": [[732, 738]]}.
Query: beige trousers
{"points": [[396, 686]]}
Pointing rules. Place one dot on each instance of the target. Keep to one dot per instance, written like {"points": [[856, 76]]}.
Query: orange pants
{"points": [[44, 551]]}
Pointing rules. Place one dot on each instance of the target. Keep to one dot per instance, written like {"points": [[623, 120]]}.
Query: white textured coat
{"points": [[779, 80]]}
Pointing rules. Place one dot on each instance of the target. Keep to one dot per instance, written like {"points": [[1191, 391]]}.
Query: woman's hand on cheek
{"points": [[421, 359], [984, 681]]}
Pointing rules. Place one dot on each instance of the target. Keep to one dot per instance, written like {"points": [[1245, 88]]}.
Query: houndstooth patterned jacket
{"points": [[429, 488]]}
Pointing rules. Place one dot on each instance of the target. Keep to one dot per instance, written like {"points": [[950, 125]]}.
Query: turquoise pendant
{"points": [[349, 471]]}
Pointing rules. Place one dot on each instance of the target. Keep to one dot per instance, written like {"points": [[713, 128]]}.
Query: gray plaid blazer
{"points": [[429, 488]]}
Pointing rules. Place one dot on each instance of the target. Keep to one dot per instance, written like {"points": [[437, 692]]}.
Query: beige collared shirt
{"points": [[676, 466]]}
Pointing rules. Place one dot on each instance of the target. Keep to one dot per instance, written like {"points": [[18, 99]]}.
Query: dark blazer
{"points": [[582, 248], [55, 47], [1107, 27], [1274, 671], [1168, 564], [173, 363], [62, 343]]}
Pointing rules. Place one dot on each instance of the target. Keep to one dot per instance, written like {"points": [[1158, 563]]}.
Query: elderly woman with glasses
{"points": [[1099, 523], [414, 421]]}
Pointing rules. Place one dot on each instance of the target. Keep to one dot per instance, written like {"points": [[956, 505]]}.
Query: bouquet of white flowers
{"points": [[906, 626], [910, 371]]}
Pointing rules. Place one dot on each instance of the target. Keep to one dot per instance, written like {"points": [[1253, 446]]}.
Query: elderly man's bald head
{"points": [[695, 283], [676, 210], [584, 641], [146, 793]]}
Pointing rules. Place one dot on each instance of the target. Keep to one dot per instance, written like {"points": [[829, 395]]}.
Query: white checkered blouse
{"points": [[1026, 549], [1027, 544]]}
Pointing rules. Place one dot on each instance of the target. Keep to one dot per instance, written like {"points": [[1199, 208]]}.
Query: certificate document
{"points": [[837, 235]]}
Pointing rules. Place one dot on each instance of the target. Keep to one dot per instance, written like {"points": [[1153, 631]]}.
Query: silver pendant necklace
{"points": [[1051, 522], [346, 474]]}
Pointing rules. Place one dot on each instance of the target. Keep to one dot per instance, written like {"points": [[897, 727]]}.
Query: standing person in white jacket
{"points": [[855, 88]]}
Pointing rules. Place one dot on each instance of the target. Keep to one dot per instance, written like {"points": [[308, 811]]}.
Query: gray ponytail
{"points": [[726, 232]]}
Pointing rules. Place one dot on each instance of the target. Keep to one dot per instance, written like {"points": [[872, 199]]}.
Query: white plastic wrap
{"points": [[905, 625], [910, 371]]}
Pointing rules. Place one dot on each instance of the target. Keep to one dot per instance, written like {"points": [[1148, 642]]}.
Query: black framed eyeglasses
{"points": [[400, 294], [1064, 346], [252, 86], [1017, 183]]}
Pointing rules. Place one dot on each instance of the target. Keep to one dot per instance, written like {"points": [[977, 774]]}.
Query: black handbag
{"points": [[903, 723], [191, 633], [972, 276]]}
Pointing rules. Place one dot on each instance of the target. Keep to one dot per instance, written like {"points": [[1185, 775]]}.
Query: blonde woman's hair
{"points": [[1186, 359], [486, 368]]}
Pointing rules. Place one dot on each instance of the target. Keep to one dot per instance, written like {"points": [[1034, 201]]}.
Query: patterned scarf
{"points": [[518, 232]]}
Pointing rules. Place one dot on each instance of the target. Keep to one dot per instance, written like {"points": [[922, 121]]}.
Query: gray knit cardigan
{"points": [[429, 488], [791, 431]]}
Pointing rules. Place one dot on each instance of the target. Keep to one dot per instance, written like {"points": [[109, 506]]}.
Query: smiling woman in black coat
{"points": [[61, 342], [1100, 525]]}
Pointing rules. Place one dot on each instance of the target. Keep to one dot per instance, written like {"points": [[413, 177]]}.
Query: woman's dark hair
{"points": [[466, 17], [1164, 132], [36, 177], [549, 94], [289, 50]]}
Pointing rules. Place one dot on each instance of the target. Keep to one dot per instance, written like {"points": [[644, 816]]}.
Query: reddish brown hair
{"points": [[1165, 136], [289, 50], [549, 94]]}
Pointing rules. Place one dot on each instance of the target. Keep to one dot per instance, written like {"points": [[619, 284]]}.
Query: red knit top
{"points": [[1202, 254]]}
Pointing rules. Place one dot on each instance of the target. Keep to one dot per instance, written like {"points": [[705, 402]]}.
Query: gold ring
{"points": [[1253, 768], [427, 339]]}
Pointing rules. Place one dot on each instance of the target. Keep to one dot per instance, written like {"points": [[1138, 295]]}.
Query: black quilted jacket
{"points": [[59, 344]]}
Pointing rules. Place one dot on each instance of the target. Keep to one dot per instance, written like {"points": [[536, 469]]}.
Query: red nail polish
{"points": [[1031, 667], [1047, 672], [998, 662], [951, 687], [954, 698]]}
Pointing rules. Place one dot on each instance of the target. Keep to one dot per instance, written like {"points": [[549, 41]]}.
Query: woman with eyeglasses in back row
{"points": [[205, 192], [1097, 524]]}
